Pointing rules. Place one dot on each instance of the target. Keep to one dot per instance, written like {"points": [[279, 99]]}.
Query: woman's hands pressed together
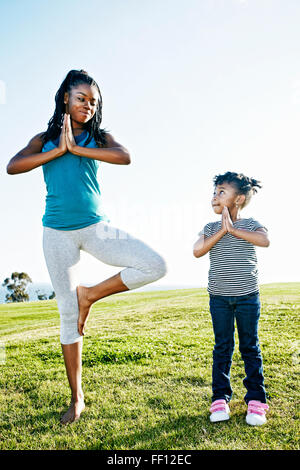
{"points": [[62, 145], [69, 137], [66, 141]]}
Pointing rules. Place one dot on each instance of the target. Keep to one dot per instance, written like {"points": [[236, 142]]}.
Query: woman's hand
{"points": [[62, 146], [70, 141]]}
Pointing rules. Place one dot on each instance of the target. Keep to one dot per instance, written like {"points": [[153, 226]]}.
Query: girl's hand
{"points": [[62, 146], [224, 224], [228, 222], [69, 134]]}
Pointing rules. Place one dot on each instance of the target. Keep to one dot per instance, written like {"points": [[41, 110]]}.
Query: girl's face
{"points": [[81, 103], [225, 195]]}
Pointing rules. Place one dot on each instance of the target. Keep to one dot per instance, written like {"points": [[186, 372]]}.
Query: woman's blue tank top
{"points": [[73, 199]]}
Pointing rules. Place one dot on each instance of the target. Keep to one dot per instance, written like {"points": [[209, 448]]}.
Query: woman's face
{"points": [[81, 103]]}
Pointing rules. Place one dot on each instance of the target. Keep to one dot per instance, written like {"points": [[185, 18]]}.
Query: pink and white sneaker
{"points": [[219, 411], [256, 415]]}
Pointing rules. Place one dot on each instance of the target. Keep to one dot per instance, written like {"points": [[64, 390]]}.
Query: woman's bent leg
{"points": [[117, 248]]}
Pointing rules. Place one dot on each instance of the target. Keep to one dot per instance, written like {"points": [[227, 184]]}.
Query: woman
{"points": [[69, 152]]}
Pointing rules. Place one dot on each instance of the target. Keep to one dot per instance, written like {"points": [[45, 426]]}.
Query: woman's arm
{"points": [[112, 153], [31, 156]]}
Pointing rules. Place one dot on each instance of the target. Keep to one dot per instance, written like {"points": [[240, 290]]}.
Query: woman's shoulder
{"points": [[35, 144], [108, 138], [39, 137], [110, 141]]}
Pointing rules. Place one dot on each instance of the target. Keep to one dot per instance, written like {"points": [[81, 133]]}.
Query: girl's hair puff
{"points": [[243, 184], [74, 78]]}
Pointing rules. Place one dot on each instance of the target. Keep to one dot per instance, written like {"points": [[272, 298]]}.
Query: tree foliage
{"points": [[16, 286], [44, 296]]}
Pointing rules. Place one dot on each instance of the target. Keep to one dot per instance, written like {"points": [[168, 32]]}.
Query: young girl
{"points": [[70, 152], [234, 293]]}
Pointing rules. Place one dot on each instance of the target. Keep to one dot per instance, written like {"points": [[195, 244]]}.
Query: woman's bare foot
{"points": [[84, 305], [74, 412]]}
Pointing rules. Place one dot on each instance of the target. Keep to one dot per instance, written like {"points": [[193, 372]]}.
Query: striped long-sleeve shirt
{"points": [[233, 261]]}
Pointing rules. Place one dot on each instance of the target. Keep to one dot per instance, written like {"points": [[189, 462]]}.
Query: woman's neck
{"points": [[78, 131], [77, 128]]}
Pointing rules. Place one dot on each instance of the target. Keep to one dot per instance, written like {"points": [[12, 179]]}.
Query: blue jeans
{"points": [[246, 310]]}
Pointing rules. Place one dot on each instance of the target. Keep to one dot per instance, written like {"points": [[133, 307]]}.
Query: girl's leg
{"points": [[62, 254], [247, 316], [222, 314], [117, 248]]}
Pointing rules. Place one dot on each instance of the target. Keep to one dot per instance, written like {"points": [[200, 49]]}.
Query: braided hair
{"points": [[74, 78], [243, 184]]}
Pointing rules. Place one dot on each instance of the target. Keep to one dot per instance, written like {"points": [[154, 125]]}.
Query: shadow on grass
{"points": [[168, 433], [184, 432], [39, 424]]}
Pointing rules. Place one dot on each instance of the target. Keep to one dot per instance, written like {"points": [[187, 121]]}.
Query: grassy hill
{"points": [[146, 375]]}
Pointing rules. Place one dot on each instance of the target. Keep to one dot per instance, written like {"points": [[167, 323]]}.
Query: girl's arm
{"points": [[259, 237], [113, 153], [204, 244]]}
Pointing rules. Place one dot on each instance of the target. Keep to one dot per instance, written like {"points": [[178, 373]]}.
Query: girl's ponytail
{"points": [[254, 184]]}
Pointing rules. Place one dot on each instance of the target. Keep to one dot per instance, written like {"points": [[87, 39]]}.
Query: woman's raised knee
{"points": [[159, 267]]}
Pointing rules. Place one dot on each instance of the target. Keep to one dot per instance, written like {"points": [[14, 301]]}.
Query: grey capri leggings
{"points": [[106, 243]]}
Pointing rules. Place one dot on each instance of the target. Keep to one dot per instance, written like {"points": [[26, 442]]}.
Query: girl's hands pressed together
{"points": [[227, 226], [224, 225]]}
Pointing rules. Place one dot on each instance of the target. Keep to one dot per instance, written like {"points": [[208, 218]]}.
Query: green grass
{"points": [[146, 375]]}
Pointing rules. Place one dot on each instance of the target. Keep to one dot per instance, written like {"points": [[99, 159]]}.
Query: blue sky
{"points": [[192, 89]]}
